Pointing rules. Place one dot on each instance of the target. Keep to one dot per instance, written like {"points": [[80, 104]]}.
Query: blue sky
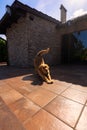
{"points": [[51, 7]]}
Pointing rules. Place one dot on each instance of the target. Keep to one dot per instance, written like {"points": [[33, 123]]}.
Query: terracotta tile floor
{"points": [[28, 103]]}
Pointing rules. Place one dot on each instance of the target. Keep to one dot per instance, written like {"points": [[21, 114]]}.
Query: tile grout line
{"points": [[55, 92], [28, 119], [72, 100], [57, 118], [65, 89], [31, 99], [79, 90], [80, 114], [25, 97], [43, 107]]}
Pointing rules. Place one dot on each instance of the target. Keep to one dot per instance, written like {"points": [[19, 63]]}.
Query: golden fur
{"points": [[41, 68]]}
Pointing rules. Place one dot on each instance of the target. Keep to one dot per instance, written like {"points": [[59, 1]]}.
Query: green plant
{"points": [[3, 50]]}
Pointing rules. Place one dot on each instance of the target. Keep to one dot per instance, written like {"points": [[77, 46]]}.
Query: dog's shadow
{"points": [[36, 79]]}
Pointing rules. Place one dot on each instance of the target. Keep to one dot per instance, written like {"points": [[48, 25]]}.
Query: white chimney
{"points": [[63, 12]]}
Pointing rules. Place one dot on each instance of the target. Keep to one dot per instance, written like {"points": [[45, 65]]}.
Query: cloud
{"points": [[42, 5], [3, 36], [74, 4], [79, 13], [49, 7], [74, 8]]}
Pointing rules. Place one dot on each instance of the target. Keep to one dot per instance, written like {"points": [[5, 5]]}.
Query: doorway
{"points": [[3, 52], [74, 48]]}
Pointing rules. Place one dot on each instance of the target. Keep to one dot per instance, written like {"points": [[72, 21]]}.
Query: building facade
{"points": [[28, 31]]}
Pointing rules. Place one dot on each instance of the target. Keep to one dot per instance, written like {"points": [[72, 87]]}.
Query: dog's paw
{"points": [[50, 82]]}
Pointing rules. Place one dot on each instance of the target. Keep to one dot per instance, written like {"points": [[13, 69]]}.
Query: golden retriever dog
{"points": [[41, 68]]}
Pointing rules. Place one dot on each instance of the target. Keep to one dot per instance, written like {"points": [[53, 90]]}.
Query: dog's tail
{"points": [[42, 52]]}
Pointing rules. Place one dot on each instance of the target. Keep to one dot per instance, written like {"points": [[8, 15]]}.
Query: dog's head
{"points": [[44, 68]]}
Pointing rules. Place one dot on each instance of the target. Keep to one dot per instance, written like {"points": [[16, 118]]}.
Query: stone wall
{"points": [[41, 35], [29, 35], [74, 25], [17, 43]]}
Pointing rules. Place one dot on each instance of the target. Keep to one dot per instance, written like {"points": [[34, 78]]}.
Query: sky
{"points": [[74, 8]]}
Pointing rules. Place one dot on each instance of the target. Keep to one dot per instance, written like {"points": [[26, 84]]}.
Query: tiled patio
{"points": [[28, 103]]}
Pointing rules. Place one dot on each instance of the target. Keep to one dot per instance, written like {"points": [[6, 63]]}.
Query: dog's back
{"points": [[39, 59], [41, 68]]}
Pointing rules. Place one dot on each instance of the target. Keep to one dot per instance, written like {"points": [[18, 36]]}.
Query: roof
{"points": [[73, 21], [18, 10]]}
